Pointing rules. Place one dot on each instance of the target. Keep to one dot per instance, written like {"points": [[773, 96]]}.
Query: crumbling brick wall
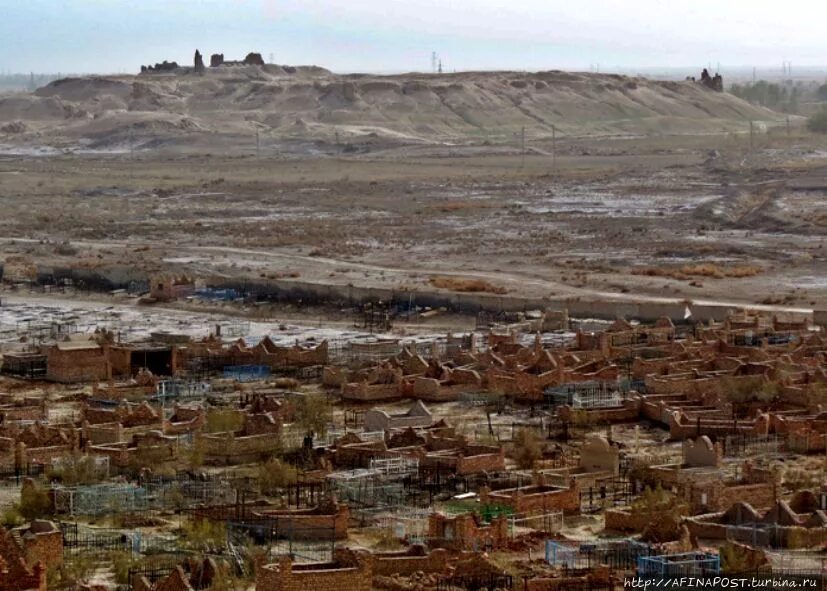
{"points": [[227, 448], [75, 365], [312, 523], [43, 546], [464, 532], [535, 498], [598, 578], [719, 496], [408, 562], [15, 574], [481, 460], [347, 573]]}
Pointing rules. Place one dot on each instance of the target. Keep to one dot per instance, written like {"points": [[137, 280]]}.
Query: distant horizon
{"points": [[625, 70], [394, 36]]}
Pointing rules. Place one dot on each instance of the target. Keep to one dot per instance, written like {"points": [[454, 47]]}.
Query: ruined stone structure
{"points": [[798, 523], [162, 67], [716, 82], [198, 62], [417, 416], [257, 439], [16, 572], [166, 288], [467, 532], [185, 577], [78, 360], [253, 59]]}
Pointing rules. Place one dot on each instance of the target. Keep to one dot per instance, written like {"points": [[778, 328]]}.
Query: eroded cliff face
{"points": [[234, 98]]}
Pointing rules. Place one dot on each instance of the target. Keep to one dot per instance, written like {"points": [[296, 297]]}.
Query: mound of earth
{"points": [[312, 103]]}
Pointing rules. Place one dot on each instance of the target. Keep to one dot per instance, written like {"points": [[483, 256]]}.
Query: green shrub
{"points": [[818, 122], [121, 563], [203, 535], [76, 469], [12, 517], [34, 503], [221, 421], [313, 413], [275, 475]]}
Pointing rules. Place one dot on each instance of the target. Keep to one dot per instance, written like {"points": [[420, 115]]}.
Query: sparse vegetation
{"points": [[76, 469], [34, 503], [313, 413], [818, 122], [12, 517], [769, 94], [121, 563], [710, 270], [527, 448], [663, 511], [222, 421], [743, 390], [801, 478], [274, 475], [203, 535], [72, 572], [465, 285]]}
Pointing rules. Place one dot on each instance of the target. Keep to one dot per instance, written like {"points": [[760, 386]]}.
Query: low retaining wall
{"points": [[119, 277]]}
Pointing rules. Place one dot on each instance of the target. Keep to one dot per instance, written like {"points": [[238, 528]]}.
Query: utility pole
{"points": [[522, 147], [554, 147], [258, 143], [751, 133]]}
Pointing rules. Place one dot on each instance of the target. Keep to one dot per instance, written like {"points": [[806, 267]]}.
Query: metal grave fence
{"points": [[695, 564], [618, 554]]}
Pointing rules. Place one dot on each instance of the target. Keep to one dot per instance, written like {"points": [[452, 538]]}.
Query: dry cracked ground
{"points": [[699, 217]]}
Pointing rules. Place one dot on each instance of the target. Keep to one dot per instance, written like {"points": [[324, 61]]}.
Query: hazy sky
{"points": [[397, 35]]}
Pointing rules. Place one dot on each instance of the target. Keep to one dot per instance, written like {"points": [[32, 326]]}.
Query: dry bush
{"points": [[205, 536], [286, 383], [274, 476], [34, 503], [222, 421], [465, 285], [452, 206], [738, 558], [527, 448], [76, 469], [710, 270], [800, 478], [313, 413], [665, 528]]}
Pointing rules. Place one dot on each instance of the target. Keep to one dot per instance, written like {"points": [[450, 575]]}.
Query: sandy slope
{"points": [[311, 103]]}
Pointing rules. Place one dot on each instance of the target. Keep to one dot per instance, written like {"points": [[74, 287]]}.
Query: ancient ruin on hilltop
{"points": [[715, 82], [216, 60]]}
